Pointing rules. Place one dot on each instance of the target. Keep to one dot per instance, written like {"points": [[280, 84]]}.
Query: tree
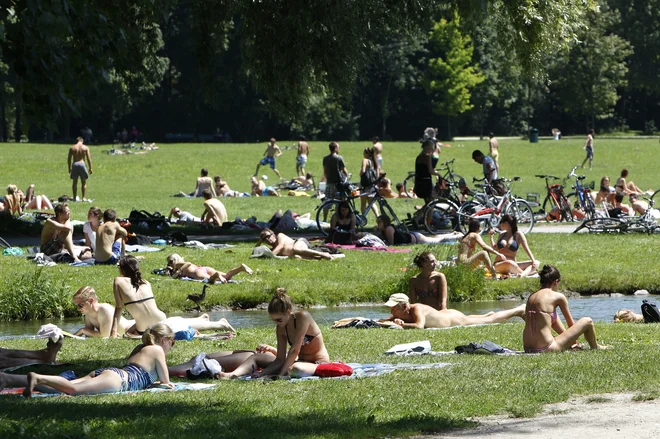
{"points": [[586, 79], [451, 76]]}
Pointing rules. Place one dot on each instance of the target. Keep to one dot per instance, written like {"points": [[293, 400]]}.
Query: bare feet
{"points": [[225, 376], [52, 348], [32, 382], [246, 269], [603, 347]]}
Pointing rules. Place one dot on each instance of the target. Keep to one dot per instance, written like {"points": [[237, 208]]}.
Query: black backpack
{"points": [[650, 312], [153, 221]]}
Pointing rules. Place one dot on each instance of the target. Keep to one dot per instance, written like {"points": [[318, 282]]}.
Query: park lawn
{"points": [[397, 405]]}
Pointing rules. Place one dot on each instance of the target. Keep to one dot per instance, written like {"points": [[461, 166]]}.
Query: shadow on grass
{"points": [[69, 417]]}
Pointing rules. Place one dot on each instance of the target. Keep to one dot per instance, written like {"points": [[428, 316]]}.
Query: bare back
{"points": [[139, 302], [78, 152], [107, 234], [303, 148]]}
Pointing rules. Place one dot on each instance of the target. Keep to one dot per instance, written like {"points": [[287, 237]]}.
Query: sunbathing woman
{"points": [[541, 318], [393, 236], [37, 202], [428, 287], [296, 328], [146, 364], [132, 291], [508, 243], [627, 187], [285, 246], [177, 267], [467, 245], [13, 201]]}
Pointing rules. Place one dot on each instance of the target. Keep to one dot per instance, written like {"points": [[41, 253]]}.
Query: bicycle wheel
{"points": [[603, 225], [523, 213], [409, 182], [323, 215], [565, 208], [440, 216], [589, 206], [466, 213]]}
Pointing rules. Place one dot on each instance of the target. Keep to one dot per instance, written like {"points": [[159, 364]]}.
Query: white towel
{"points": [[50, 331]]}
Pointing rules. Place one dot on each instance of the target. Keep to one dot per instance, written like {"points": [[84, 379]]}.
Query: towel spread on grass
{"points": [[377, 369], [177, 387], [363, 323], [231, 281], [142, 248], [378, 249], [424, 348]]}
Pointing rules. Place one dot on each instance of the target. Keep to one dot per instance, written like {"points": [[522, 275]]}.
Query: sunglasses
{"points": [[80, 305]]}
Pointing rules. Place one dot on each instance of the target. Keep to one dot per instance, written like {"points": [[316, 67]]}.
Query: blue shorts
{"points": [[268, 161], [590, 153], [267, 190], [116, 255]]}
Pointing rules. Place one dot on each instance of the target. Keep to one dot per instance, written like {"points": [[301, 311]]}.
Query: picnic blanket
{"points": [[177, 388], [487, 347], [142, 248], [380, 249]]}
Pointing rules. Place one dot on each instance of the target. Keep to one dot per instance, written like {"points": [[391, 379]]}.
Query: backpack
{"points": [[369, 177], [650, 312], [145, 220]]}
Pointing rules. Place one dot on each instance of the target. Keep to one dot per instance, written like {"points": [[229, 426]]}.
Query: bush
{"points": [[33, 296], [649, 127], [465, 283]]}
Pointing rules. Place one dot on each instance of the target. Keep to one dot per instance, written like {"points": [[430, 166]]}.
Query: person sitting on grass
{"points": [[541, 319], [145, 365], [259, 189], [283, 245], [295, 328], [637, 205], [628, 187], [177, 268], [12, 201], [467, 245], [131, 290], [393, 236], [306, 181], [429, 287], [624, 208], [56, 238], [508, 243], [94, 215], [342, 225], [109, 239], [385, 189], [204, 182], [420, 316], [229, 360], [214, 210], [182, 217], [400, 189]]}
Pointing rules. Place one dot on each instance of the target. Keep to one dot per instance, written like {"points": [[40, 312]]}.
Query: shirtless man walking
{"points": [[56, 236], [109, 239], [378, 148], [272, 151], [214, 210], [77, 169], [494, 150], [285, 246], [301, 159], [422, 316]]}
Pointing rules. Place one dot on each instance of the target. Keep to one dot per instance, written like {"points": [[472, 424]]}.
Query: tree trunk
{"points": [[17, 125], [3, 119], [448, 127]]}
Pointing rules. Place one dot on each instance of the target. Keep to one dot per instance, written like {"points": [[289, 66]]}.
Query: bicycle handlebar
{"points": [[449, 162], [547, 176]]}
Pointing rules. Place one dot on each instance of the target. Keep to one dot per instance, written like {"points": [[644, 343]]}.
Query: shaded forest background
{"points": [[380, 68]]}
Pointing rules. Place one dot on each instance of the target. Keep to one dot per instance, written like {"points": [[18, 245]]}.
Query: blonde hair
{"points": [[626, 315], [156, 333], [14, 199], [174, 258], [84, 293]]}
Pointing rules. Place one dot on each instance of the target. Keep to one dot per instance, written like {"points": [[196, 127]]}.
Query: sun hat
{"points": [[395, 299]]}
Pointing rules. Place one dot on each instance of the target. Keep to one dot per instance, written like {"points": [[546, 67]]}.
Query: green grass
{"points": [[396, 405]]}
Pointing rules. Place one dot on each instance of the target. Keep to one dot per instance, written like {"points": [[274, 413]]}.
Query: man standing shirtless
{"points": [[378, 148], [56, 236], [422, 316], [214, 210], [272, 151], [494, 150], [301, 159], [109, 239], [77, 169]]}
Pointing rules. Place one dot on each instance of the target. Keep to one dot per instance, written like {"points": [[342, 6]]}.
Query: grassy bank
{"points": [[400, 404]]}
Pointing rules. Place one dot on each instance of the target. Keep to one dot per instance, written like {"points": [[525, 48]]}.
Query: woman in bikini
{"points": [[145, 365], [428, 287], [295, 328], [12, 201], [135, 293], [508, 243], [627, 187], [177, 267], [541, 318], [284, 245], [468, 243], [38, 202], [343, 220], [393, 236]]}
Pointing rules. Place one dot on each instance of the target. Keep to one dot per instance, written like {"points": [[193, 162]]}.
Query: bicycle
{"points": [[329, 206], [555, 198], [489, 209], [449, 177], [644, 223], [582, 194]]}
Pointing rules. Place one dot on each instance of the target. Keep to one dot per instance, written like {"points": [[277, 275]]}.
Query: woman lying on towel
{"points": [[428, 287], [393, 236], [145, 365], [541, 318], [177, 267], [295, 328], [135, 293]]}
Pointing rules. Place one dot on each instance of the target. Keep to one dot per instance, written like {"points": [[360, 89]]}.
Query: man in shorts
{"points": [[589, 147], [494, 149], [334, 170], [378, 148], [272, 151], [78, 153], [214, 210], [109, 239], [301, 159], [56, 237]]}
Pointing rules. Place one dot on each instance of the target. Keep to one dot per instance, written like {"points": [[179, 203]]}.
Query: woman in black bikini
{"points": [[342, 225], [295, 328], [508, 243], [541, 318], [428, 287]]}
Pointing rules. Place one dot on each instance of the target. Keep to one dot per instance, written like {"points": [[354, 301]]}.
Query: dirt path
{"points": [[606, 416]]}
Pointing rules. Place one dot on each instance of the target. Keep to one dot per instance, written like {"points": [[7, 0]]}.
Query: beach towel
{"points": [[415, 348], [363, 323], [177, 388], [141, 248], [264, 252], [381, 249]]}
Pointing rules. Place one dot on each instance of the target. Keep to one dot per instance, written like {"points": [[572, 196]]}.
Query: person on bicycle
{"points": [[467, 245], [393, 236], [424, 170], [508, 243], [334, 170], [541, 319]]}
